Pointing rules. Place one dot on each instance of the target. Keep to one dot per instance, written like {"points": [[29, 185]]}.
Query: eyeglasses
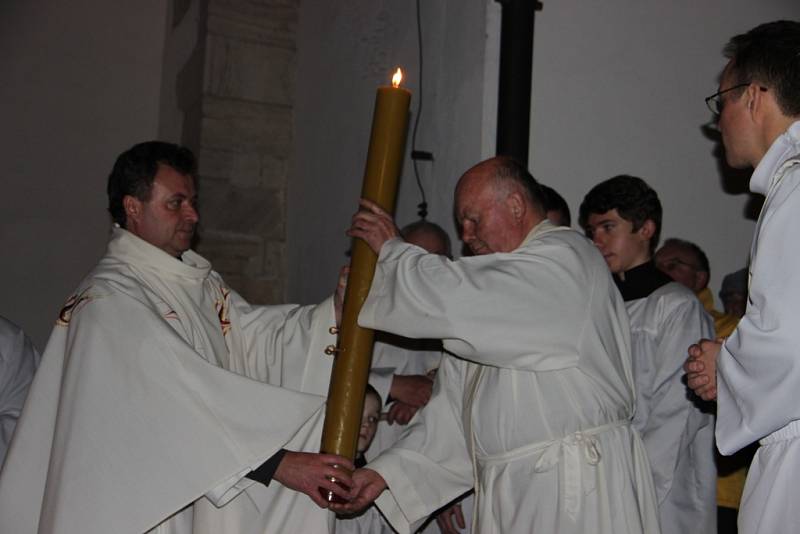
{"points": [[673, 263], [714, 102]]}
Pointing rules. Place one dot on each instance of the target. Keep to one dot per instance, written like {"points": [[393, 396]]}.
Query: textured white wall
{"points": [[80, 83], [618, 87]]}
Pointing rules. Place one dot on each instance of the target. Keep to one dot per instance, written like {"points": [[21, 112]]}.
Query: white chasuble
{"points": [[151, 398], [534, 408]]}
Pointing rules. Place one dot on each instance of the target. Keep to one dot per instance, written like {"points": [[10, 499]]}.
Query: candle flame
{"points": [[397, 78]]}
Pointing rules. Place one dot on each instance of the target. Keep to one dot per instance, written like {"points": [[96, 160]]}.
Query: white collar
{"points": [[784, 147], [131, 249]]}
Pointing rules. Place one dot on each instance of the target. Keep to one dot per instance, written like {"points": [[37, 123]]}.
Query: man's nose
{"points": [[467, 232], [190, 213]]}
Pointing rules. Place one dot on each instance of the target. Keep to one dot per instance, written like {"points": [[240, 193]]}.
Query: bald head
{"points": [[684, 262], [506, 175], [497, 204], [427, 235]]}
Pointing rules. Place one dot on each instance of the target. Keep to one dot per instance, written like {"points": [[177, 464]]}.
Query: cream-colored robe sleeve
{"points": [[758, 371], [421, 484], [421, 295], [285, 345]]}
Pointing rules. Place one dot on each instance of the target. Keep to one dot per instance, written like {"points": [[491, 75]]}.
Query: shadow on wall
{"points": [[733, 181]]}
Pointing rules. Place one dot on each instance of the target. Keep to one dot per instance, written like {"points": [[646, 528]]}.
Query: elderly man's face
{"points": [[680, 265], [168, 219], [487, 222]]}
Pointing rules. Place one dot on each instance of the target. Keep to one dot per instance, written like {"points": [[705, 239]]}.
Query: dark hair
{"points": [[552, 201], [694, 250], [769, 54], [136, 168], [734, 283], [426, 226], [511, 170], [634, 200]]}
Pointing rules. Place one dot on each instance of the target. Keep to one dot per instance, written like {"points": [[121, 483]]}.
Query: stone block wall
{"points": [[240, 125]]}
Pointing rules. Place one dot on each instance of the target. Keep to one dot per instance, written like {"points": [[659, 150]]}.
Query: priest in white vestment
{"points": [[534, 407], [754, 375], [164, 402]]}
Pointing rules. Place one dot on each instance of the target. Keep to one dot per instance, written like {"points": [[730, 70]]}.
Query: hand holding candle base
{"points": [[367, 486], [313, 473], [331, 497]]}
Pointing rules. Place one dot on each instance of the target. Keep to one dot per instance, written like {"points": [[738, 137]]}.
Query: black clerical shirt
{"points": [[641, 281]]}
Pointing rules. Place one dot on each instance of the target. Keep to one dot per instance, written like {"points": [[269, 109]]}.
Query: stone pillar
{"points": [[240, 126]]}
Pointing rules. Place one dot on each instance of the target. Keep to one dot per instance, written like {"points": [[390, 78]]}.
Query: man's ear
{"points": [[132, 206], [701, 280], [516, 204], [648, 229], [755, 100]]}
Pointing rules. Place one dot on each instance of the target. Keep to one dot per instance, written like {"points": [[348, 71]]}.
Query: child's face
{"points": [[369, 422]]}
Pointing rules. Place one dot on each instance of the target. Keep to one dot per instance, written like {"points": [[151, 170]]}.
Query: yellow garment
{"points": [[724, 324], [732, 470]]}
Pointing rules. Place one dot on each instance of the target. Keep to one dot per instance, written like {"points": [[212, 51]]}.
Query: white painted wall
{"points": [[80, 83], [618, 88], [346, 50]]}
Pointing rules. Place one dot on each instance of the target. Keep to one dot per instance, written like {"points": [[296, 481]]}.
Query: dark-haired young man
{"points": [[755, 374], [622, 216], [164, 400]]}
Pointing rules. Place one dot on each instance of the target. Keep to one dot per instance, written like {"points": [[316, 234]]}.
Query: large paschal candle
{"points": [[353, 353]]}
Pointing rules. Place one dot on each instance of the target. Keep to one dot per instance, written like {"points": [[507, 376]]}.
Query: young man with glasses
{"points": [[753, 374]]}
